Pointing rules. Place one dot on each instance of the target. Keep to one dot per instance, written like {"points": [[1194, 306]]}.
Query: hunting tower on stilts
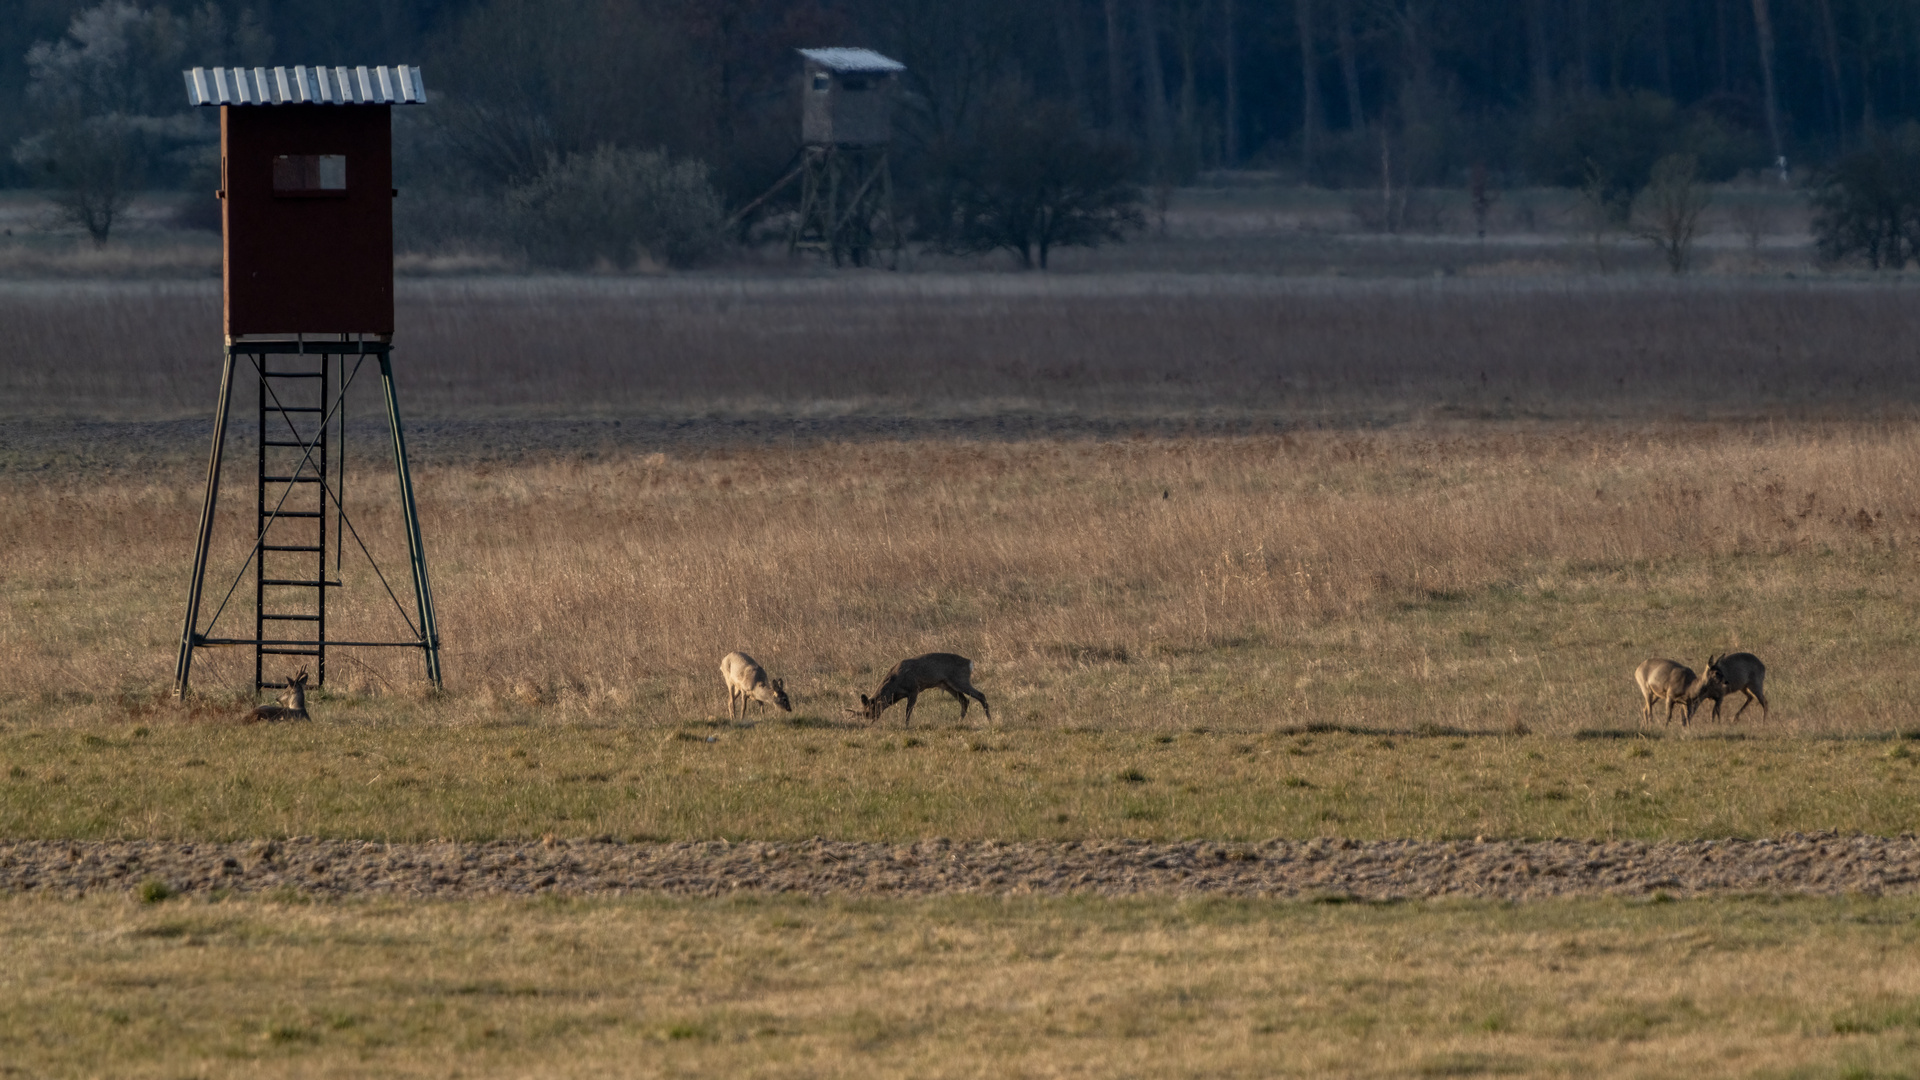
{"points": [[306, 189], [846, 186]]}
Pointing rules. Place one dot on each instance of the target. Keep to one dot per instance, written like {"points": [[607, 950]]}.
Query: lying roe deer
{"points": [[747, 681], [1735, 673], [944, 670], [1672, 682], [292, 706]]}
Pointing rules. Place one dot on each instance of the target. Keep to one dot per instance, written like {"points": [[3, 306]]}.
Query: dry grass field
{"points": [[1242, 621], [1476, 579], [1235, 558], [1189, 582]]}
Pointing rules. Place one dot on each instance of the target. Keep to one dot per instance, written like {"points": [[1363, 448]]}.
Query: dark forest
{"points": [[1323, 91]]}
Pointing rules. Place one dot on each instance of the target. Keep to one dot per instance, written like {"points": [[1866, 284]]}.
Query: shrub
{"points": [[615, 206], [1868, 203], [1609, 145]]}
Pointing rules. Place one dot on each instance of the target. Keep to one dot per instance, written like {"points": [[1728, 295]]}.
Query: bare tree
{"points": [[1669, 208], [1482, 196], [1763, 34], [1538, 62], [1230, 58], [1117, 75], [92, 168], [1349, 63], [1154, 88], [1309, 86], [106, 101]]}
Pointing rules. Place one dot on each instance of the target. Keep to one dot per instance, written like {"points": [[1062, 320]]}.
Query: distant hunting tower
{"points": [[846, 123], [306, 189]]}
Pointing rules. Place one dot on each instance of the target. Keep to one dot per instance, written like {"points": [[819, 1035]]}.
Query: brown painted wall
{"points": [[314, 262]]}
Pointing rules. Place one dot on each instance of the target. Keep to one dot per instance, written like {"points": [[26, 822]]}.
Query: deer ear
{"points": [[780, 684]]}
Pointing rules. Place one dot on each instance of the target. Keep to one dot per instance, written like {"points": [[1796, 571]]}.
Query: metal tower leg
{"points": [[416, 550], [184, 664]]}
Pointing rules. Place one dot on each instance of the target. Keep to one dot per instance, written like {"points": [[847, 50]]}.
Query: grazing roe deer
{"points": [[1735, 673], [1672, 682], [292, 706], [947, 671], [747, 681]]}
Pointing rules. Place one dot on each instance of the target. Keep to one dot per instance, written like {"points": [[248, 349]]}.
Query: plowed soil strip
{"points": [[1811, 864]]}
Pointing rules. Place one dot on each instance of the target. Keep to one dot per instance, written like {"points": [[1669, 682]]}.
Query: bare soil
{"points": [[1823, 864]]}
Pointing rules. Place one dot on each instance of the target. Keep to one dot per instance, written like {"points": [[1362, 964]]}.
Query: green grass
{"points": [[434, 775], [1504, 712], [959, 987]]}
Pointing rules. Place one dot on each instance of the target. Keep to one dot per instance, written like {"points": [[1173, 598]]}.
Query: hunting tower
{"points": [[846, 124], [306, 189]]}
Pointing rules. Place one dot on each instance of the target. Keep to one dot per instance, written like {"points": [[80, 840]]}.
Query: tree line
{"points": [[1583, 93]]}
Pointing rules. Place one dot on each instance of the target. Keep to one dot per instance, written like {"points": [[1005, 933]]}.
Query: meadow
{"points": [[1235, 559], [960, 986]]}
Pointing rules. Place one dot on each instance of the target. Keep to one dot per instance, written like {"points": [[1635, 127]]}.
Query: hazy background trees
{"points": [[1376, 93], [1867, 204], [102, 109], [618, 207]]}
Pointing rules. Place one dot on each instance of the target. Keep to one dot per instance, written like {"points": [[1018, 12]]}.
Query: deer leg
{"points": [[957, 696], [911, 698], [988, 709]]}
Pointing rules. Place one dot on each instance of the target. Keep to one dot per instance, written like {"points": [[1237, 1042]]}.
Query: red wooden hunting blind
{"points": [[306, 183]]}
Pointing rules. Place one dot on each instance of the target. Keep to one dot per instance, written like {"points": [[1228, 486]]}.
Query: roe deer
{"points": [[944, 670], [1735, 673], [747, 681], [1672, 682], [292, 706]]}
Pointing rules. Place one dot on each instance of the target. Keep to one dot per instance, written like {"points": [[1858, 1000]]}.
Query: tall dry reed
{"points": [[623, 579]]}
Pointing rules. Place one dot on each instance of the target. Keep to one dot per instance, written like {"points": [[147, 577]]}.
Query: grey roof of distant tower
{"points": [[852, 60]]}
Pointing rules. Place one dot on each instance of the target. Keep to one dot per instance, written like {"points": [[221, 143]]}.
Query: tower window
{"points": [[310, 174]]}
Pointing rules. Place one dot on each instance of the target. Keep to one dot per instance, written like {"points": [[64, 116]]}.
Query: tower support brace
{"points": [[846, 205], [295, 497]]}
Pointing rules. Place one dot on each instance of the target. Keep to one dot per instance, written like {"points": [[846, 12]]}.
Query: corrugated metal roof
{"points": [[852, 60], [397, 85]]}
